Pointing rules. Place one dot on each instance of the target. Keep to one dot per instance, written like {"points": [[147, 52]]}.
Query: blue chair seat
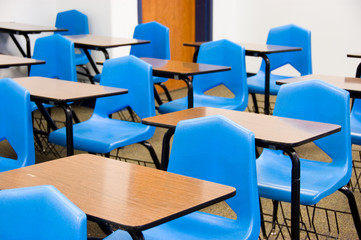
{"points": [[81, 59], [256, 83], [274, 179], [159, 79], [198, 225], [202, 101], [103, 134]]}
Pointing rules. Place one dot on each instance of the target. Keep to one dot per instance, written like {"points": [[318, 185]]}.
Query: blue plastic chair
{"points": [[289, 35], [16, 125], [76, 23], [158, 47], [214, 149], [312, 100], [42, 213], [356, 122], [58, 54], [100, 133], [224, 53]]}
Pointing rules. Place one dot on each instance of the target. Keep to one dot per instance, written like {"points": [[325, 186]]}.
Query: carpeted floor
{"points": [[139, 155]]}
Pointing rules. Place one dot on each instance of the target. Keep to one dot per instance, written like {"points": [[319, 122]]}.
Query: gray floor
{"points": [[138, 154]]}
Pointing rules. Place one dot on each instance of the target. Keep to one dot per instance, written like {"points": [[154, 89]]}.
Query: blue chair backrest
{"points": [[58, 53], [224, 53], [158, 35], [293, 36], [356, 117], [43, 213], [73, 20], [131, 73], [16, 124], [216, 149], [315, 100]]}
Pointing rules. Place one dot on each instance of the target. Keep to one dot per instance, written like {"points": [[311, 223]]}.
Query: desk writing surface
{"points": [[350, 84], [354, 55], [9, 61], [132, 196], [254, 47], [268, 130], [182, 68], [92, 41], [55, 90], [27, 28], [267, 48]]}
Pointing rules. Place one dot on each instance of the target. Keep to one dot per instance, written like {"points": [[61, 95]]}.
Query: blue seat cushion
{"points": [[318, 179], [256, 83], [102, 135], [203, 101], [194, 226]]}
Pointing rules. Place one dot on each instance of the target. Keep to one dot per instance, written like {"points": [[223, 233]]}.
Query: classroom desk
{"points": [[270, 132], [25, 29], [182, 71], [101, 43], [358, 70], [256, 50], [350, 84], [131, 197], [12, 61], [60, 93]]}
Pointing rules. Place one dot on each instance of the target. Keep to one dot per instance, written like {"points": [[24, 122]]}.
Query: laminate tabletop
{"points": [[13, 27], [253, 48], [269, 130], [354, 55], [350, 84], [92, 41], [133, 197], [55, 90], [162, 67], [10, 61]]}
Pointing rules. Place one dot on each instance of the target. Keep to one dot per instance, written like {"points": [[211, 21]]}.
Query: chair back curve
{"points": [[223, 53], [131, 73], [158, 35], [73, 20], [216, 149], [58, 54], [298, 100], [40, 212], [293, 36], [16, 124]]}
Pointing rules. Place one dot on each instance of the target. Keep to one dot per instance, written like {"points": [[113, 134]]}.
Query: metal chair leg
{"points": [[254, 99], [152, 153], [274, 214], [166, 91], [157, 97], [354, 210], [263, 227]]}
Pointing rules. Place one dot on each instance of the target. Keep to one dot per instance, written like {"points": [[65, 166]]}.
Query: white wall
{"points": [[106, 17], [37, 12], [334, 25]]}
